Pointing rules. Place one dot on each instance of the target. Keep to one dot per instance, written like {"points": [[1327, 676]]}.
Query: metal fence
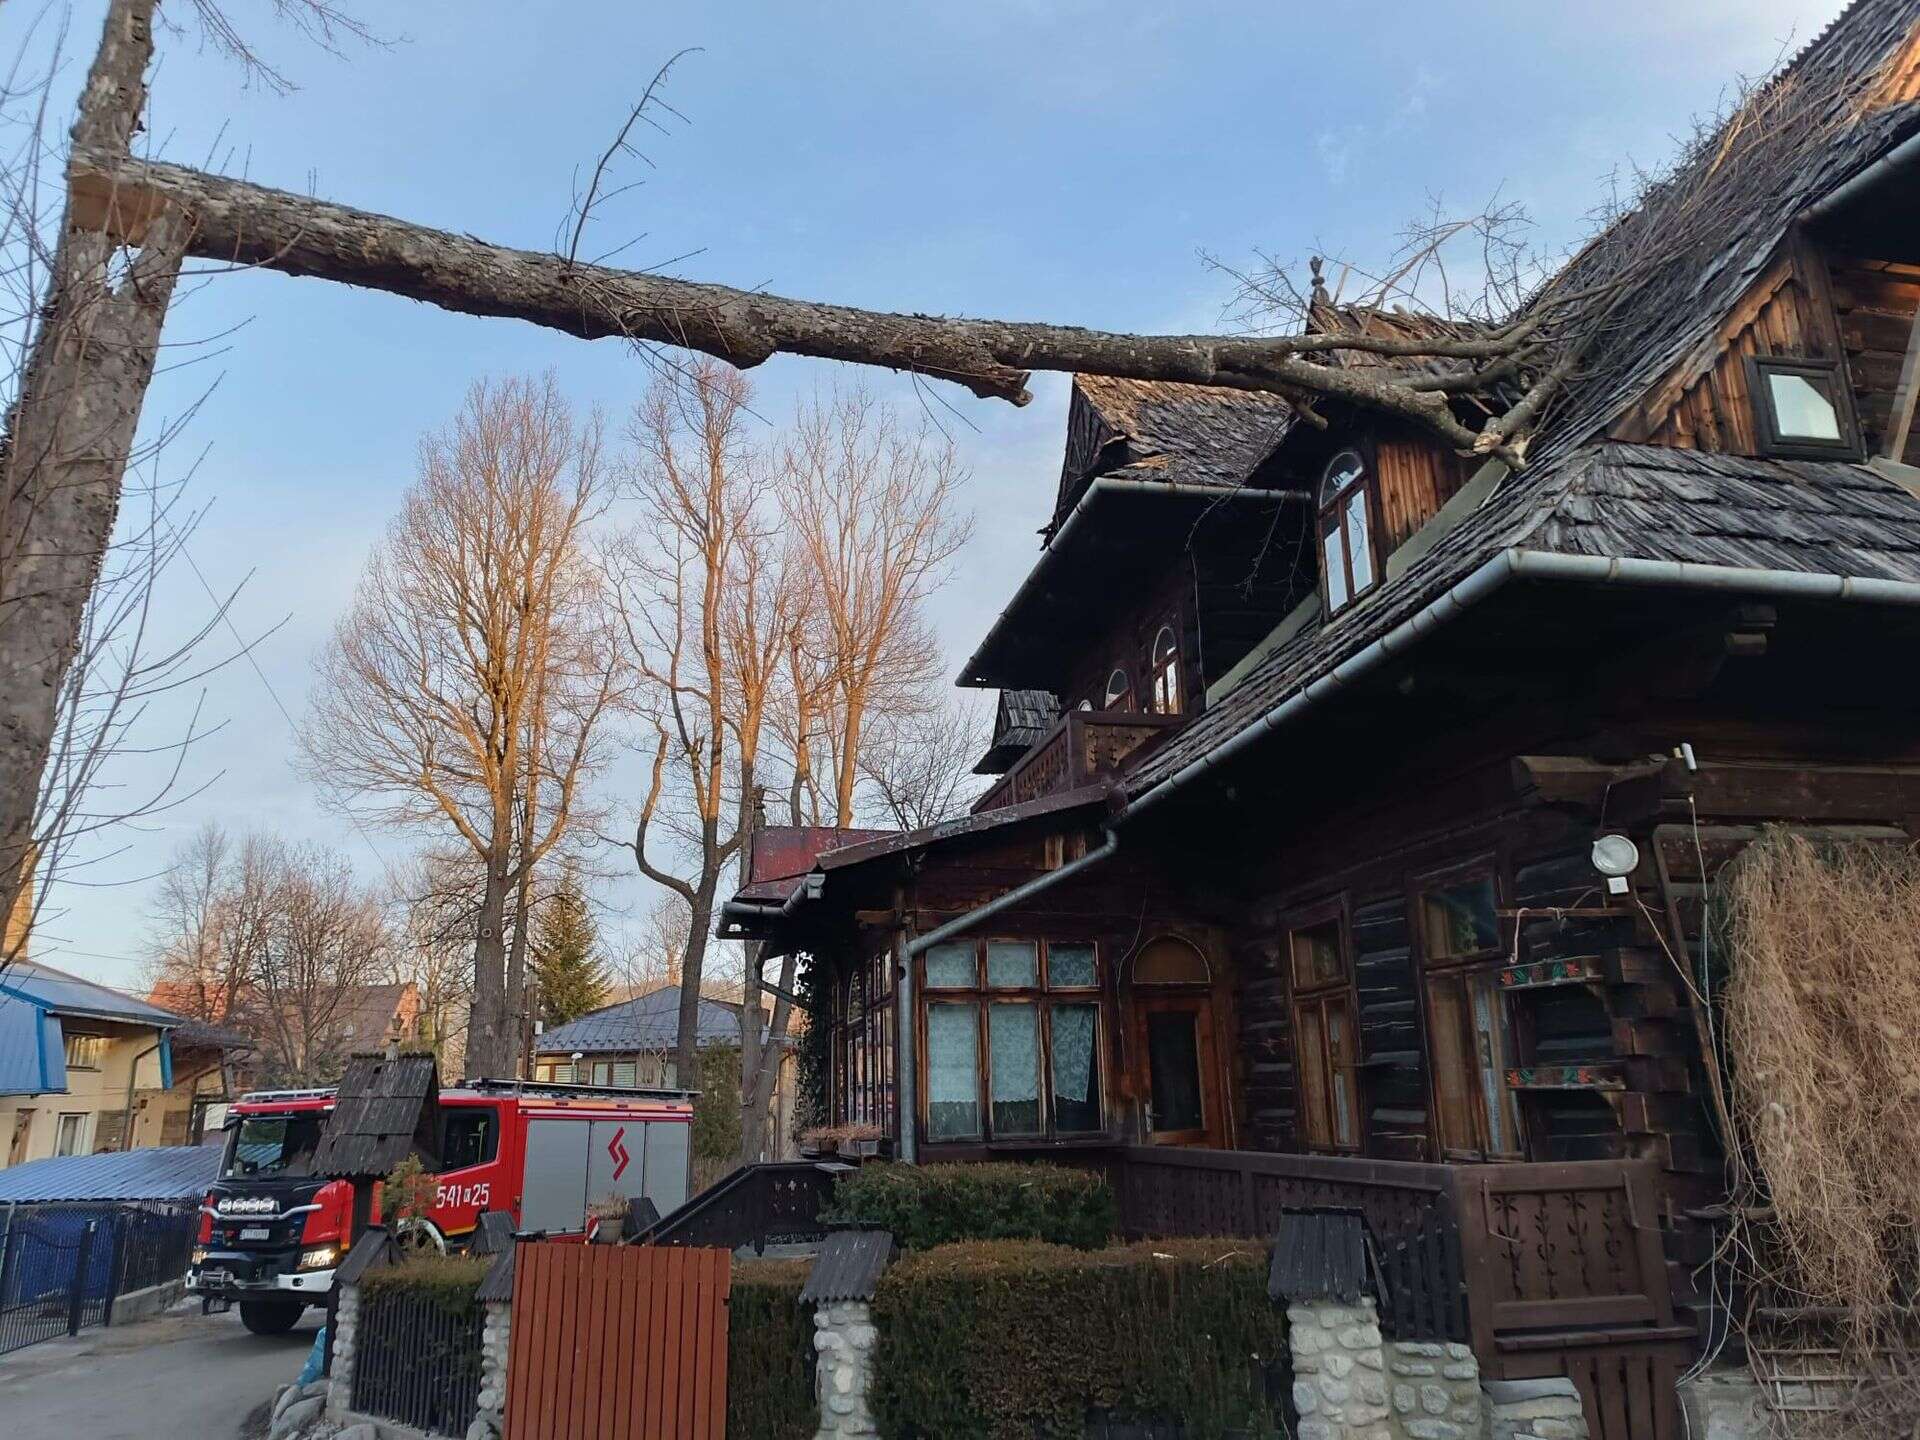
{"points": [[63, 1266], [416, 1359]]}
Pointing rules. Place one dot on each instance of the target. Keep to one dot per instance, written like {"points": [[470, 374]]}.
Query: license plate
{"points": [[256, 1232]]}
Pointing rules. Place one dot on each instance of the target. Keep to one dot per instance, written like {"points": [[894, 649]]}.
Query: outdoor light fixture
{"points": [[1615, 857]]}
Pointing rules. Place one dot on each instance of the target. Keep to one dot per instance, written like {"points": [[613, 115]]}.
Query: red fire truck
{"points": [[271, 1232]]}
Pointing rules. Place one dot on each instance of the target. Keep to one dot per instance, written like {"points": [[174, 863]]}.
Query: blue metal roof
{"points": [[30, 1043], [65, 994], [650, 1022], [171, 1172]]}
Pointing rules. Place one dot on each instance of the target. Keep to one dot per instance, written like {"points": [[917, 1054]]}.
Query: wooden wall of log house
{"points": [[1416, 477], [1875, 301], [1128, 641]]}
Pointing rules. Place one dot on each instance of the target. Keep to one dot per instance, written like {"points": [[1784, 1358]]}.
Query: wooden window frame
{"points": [[1122, 701], [1769, 440], [1483, 966], [1044, 996], [1166, 692], [1332, 514], [1334, 1072]]}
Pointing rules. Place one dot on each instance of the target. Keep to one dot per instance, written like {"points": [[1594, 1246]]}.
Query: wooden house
{"points": [[1361, 856]]}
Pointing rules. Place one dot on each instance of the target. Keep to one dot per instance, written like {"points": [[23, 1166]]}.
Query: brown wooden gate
{"points": [[618, 1343]]}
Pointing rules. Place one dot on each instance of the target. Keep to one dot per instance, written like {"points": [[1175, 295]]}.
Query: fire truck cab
{"points": [[272, 1231]]}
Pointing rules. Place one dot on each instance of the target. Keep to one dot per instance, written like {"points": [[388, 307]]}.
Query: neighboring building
{"points": [[632, 1043], [1307, 863], [165, 1174], [366, 1018], [84, 1068]]}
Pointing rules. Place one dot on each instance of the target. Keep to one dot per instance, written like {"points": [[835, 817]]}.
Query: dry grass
{"points": [[1823, 1030]]}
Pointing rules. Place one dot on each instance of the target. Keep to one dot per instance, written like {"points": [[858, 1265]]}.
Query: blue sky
{"points": [[1032, 159]]}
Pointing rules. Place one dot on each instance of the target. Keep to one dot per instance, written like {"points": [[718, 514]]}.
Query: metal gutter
{"points": [[1906, 153], [1108, 485], [1530, 565], [909, 1102]]}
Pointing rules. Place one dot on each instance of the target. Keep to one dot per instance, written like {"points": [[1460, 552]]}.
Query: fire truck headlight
{"points": [[198, 1257], [318, 1259]]}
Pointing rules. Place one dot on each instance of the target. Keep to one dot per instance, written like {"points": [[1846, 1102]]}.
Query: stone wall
{"points": [[346, 1326], [843, 1342], [1435, 1390], [1535, 1410]]}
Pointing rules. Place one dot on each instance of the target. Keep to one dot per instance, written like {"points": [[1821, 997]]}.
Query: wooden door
{"points": [[1176, 1070]]}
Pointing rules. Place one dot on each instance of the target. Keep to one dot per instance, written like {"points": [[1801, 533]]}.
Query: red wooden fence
{"points": [[618, 1343]]}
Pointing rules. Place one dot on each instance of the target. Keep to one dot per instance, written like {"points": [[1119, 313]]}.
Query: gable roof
{"points": [[1019, 721], [382, 1111], [648, 1022], [59, 993]]}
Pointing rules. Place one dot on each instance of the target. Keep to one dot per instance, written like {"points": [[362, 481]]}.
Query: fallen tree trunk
{"points": [[243, 223]]}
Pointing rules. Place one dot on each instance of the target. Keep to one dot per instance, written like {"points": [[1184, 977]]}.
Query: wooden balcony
{"points": [[1082, 746]]}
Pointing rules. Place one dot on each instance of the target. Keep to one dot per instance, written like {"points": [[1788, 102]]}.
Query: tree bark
{"points": [[251, 224], [693, 961], [70, 436], [486, 1044]]}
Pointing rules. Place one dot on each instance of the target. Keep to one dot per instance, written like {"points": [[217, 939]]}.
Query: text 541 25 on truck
{"points": [[272, 1231]]}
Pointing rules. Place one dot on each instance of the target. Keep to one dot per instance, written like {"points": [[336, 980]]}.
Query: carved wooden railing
{"points": [[1082, 746], [757, 1205], [1517, 1259]]}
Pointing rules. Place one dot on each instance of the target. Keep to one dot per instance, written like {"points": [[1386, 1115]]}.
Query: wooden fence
{"points": [[618, 1343]]}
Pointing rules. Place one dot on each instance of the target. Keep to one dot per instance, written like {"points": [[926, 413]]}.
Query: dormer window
{"points": [[1166, 672], [1119, 690], [1346, 529], [1801, 408]]}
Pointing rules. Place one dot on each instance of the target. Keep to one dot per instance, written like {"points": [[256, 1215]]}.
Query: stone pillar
{"points": [[843, 1343], [1339, 1380], [1436, 1391], [346, 1324], [495, 1338]]}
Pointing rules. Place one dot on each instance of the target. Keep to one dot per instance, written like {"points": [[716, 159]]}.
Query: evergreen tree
{"points": [[567, 967]]}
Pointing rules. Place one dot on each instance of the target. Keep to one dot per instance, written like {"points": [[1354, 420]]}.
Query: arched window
{"points": [[1170, 961], [1166, 672], [1119, 690], [1346, 541]]}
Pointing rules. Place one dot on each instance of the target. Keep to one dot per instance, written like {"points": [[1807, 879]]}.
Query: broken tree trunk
{"points": [[70, 436], [253, 225]]}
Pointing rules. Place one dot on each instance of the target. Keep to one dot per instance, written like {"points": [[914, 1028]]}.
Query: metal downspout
{"points": [[909, 1074]]}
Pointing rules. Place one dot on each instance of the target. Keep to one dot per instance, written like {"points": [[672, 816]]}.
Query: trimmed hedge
{"points": [[770, 1352], [929, 1205], [1012, 1340], [448, 1280]]}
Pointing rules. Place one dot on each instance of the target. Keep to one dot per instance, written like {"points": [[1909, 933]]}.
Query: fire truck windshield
{"points": [[273, 1145]]}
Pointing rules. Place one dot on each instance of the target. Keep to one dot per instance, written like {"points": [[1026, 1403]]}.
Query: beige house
{"points": [[84, 1068]]}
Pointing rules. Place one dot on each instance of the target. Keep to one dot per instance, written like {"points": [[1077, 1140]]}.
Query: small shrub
{"points": [[448, 1280], [929, 1205], [770, 1352], [1016, 1340]]}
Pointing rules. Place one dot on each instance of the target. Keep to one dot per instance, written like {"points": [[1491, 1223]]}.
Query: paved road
{"points": [[182, 1374]]}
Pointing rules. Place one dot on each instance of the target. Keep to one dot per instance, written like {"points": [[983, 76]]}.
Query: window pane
{"points": [[953, 1071], [1802, 408], [1340, 1063], [1357, 547], [1014, 1032], [1490, 1038], [1118, 689], [625, 1072], [1341, 471], [1312, 1069], [1071, 966], [1336, 568], [1013, 963], [952, 964], [1453, 1070], [1173, 1059], [1316, 956], [1076, 1067], [1460, 920]]}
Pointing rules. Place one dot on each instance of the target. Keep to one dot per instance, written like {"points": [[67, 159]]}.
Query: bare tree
{"points": [[917, 766], [873, 505], [437, 896], [706, 613], [651, 958], [326, 943], [465, 687]]}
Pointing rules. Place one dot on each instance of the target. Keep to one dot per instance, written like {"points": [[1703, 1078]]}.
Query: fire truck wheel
{"points": [[419, 1237], [269, 1317]]}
